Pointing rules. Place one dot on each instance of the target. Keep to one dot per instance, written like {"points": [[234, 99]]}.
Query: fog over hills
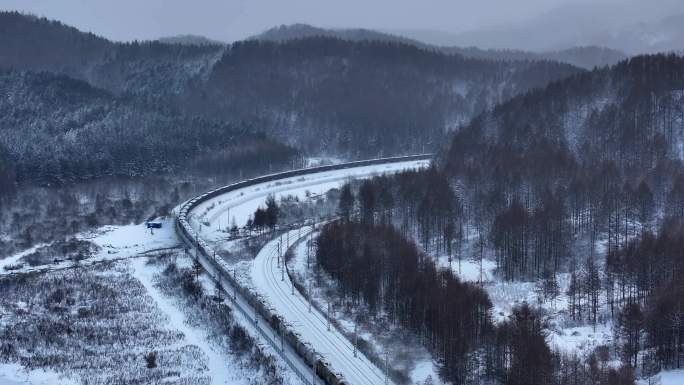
{"points": [[586, 57], [190, 40], [629, 26]]}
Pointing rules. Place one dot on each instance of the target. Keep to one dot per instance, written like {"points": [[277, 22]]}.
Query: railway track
{"points": [[331, 360]]}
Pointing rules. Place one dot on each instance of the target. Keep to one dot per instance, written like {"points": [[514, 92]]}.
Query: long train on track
{"points": [[207, 257]]}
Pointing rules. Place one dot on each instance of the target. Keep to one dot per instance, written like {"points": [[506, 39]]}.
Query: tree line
{"points": [[376, 268], [54, 129]]}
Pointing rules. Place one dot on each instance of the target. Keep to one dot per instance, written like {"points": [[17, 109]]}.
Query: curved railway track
{"points": [[330, 361]]}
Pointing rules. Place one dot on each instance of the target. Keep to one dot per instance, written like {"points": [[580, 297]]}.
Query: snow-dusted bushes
{"points": [[207, 311], [95, 324]]}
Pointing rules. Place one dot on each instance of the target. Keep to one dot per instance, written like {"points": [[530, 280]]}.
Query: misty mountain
{"points": [[664, 35], [190, 40], [319, 94], [360, 98], [631, 29], [153, 69], [584, 57], [284, 33]]}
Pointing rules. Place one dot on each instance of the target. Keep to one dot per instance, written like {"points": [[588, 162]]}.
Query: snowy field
{"points": [[109, 243], [667, 377], [95, 320]]}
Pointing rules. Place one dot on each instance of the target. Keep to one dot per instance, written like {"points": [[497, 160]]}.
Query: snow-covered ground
{"points": [[581, 339], [666, 377], [15, 374], [118, 241], [221, 368], [134, 246], [13, 261], [315, 161], [113, 242], [213, 217]]}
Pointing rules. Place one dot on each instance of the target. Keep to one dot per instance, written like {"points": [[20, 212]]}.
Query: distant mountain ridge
{"points": [[363, 98], [38, 44], [585, 57], [583, 24], [190, 40], [322, 95]]}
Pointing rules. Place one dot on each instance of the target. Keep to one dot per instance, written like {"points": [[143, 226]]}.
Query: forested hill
{"points": [[57, 129], [599, 152], [151, 69], [629, 115], [586, 57], [361, 98], [321, 95]]}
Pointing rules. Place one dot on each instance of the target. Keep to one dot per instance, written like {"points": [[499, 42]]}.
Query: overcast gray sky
{"points": [[230, 20]]}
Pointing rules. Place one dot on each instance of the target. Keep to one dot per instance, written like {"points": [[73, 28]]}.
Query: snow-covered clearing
{"points": [[118, 241], [220, 368], [94, 323], [128, 251], [469, 270], [12, 262], [113, 243], [666, 377], [15, 374]]}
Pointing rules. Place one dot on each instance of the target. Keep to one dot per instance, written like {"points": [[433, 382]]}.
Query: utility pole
{"points": [[328, 316], [386, 368], [310, 299], [313, 367], [356, 339], [219, 289], [234, 287], [308, 253]]}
